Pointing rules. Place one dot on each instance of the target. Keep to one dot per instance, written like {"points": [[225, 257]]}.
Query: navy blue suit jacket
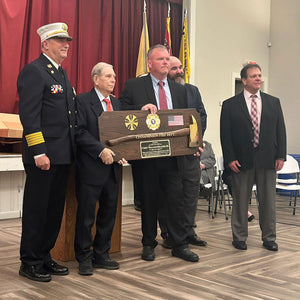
{"points": [[139, 91], [90, 166], [194, 101]]}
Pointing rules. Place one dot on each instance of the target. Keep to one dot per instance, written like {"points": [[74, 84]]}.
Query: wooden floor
{"points": [[222, 272]]}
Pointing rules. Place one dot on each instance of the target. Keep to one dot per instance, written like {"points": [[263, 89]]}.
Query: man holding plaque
{"points": [[161, 181], [97, 175], [190, 165]]}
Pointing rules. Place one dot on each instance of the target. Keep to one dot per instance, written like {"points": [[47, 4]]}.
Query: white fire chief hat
{"points": [[52, 30]]}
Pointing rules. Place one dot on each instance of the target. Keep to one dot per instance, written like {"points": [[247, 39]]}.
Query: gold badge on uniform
{"points": [[153, 121], [131, 122], [49, 66]]}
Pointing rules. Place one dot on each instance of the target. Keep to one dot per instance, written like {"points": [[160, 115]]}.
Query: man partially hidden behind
{"points": [[47, 113], [97, 175], [190, 164], [253, 141]]}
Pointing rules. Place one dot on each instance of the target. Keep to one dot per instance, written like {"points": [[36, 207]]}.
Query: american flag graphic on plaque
{"points": [[176, 120]]}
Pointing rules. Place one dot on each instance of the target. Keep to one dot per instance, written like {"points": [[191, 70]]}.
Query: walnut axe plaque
{"points": [[137, 134]]}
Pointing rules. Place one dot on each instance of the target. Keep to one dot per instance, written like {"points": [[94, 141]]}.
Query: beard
{"points": [[179, 79]]}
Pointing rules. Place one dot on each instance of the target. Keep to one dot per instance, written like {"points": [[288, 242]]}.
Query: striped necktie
{"points": [[254, 118]]}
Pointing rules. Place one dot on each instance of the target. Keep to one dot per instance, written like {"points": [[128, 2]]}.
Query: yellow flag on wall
{"points": [[142, 67], [184, 53], [167, 39]]}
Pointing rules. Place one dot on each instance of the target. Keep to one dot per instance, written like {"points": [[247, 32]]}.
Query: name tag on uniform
{"points": [[56, 89]]}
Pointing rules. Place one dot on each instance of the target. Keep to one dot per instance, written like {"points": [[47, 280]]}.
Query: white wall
{"points": [[285, 65], [12, 179], [224, 34]]}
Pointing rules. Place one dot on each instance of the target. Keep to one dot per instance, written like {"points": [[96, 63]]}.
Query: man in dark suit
{"points": [[160, 179], [190, 164], [47, 113], [194, 99], [97, 175], [253, 141]]}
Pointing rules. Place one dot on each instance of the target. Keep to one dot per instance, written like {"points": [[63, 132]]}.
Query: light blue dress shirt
{"points": [[167, 90]]}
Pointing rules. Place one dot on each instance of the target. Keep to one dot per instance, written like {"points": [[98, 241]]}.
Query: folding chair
{"points": [[292, 185], [222, 194], [211, 188]]}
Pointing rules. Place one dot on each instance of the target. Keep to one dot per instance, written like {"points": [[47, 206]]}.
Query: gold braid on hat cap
{"points": [[58, 31]]}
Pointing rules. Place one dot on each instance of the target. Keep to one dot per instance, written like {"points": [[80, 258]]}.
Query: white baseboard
{"points": [[10, 214]]}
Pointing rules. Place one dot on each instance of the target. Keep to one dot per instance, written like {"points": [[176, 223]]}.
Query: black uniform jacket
{"points": [[47, 112]]}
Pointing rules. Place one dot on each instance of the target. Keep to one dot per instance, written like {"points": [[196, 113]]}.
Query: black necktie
{"points": [[61, 71]]}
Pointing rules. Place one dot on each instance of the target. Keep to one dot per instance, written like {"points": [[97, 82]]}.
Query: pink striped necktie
{"points": [[254, 118], [162, 96]]}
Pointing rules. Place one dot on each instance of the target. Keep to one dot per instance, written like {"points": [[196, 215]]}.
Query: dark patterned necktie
{"points": [[254, 118]]}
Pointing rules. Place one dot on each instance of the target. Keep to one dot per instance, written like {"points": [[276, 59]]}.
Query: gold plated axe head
{"points": [[194, 135]]}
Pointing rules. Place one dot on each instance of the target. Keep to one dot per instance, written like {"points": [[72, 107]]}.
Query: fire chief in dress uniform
{"points": [[47, 113]]}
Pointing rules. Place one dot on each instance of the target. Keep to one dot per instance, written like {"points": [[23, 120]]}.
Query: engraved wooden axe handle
{"points": [[134, 137]]}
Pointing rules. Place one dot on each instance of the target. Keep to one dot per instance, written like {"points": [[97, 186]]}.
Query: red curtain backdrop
{"points": [[102, 30]]}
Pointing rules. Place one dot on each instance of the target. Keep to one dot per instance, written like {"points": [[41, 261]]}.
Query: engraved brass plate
{"points": [[157, 148]]}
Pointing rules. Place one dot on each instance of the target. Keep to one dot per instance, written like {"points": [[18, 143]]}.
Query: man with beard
{"points": [[190, 165]]}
